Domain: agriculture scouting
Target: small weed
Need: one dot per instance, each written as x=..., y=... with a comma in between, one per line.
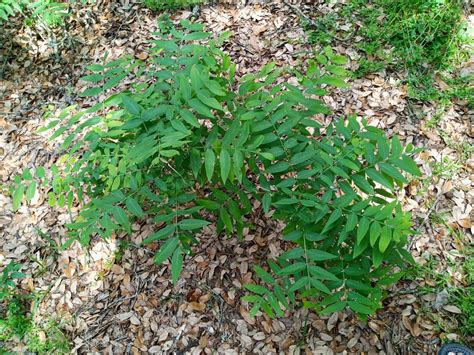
x=461, y=88
x=434, y=121
x=446, y=168
x=367, y=66
x=469, y=268
x=48, y=339
x=323, y=29
x=463, y=149
x=464, y=297
x=16, y=320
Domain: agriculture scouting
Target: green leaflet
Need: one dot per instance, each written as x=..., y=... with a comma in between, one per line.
x=333, y=81
x=166, y=250
x=131, y=106
x=266, y=201
x=362, y=183
x=374, y=233
x=176, y=265
x=256, y=289
x=190, y=224
x=225, y=164
x=385, y=239
x=264, y=275
x=209, y=163
x=189, y=117
x=321, y=273
x=335, y=215
x=18, y=196
x=362, y=230
x=225, y=218
x=209, y=101
x=279, y=167
x=200, y=108
x=134, y=207
x=30, y=191
x=335, y=307
x=300, y=283
x=407, y=165
x=360, y=308
x=292, y=269
x=121, y=217
x=195, y=160
x=319, y=255
x=161, y=234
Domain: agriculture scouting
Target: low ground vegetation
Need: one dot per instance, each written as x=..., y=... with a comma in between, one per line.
x=426, y=40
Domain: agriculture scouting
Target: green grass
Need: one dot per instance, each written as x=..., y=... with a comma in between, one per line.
x=438, y=277
x=17, y=324
x=16, y=318
x=421, y=38
x=159, y=5
x=47, y=339
x=14, y=322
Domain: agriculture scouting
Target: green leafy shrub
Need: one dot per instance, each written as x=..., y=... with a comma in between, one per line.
x=48, y=12
x=13, y=319
x=10, y=8
x=158, y=5
x=187, y=143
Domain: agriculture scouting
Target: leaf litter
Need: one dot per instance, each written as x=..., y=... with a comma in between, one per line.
x=114, y=299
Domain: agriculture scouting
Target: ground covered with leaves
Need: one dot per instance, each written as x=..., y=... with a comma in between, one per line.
x=111, y=296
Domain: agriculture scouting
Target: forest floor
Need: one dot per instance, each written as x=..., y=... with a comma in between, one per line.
x=110, y=298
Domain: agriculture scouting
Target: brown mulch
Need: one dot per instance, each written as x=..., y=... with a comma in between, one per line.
x=111, y=298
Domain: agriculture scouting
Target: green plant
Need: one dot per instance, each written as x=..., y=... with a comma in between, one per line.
x=465, y=296
x=44, y=339
x=464, y=299
x=47, y=339
x=186, y=144
x=17, y=323
x=13, y=320
x=322, y=29
x=420, y=37
x=49, y=12
x=158, y=5
x=444, y=276
x=9, y=274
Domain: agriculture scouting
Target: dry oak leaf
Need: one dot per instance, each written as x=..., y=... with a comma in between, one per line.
x=453, y=309
x=195, y=306
x=246, y=316
x=465, y=223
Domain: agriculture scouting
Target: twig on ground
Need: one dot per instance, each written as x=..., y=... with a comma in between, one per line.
x=433, y=206
x=300, y=13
